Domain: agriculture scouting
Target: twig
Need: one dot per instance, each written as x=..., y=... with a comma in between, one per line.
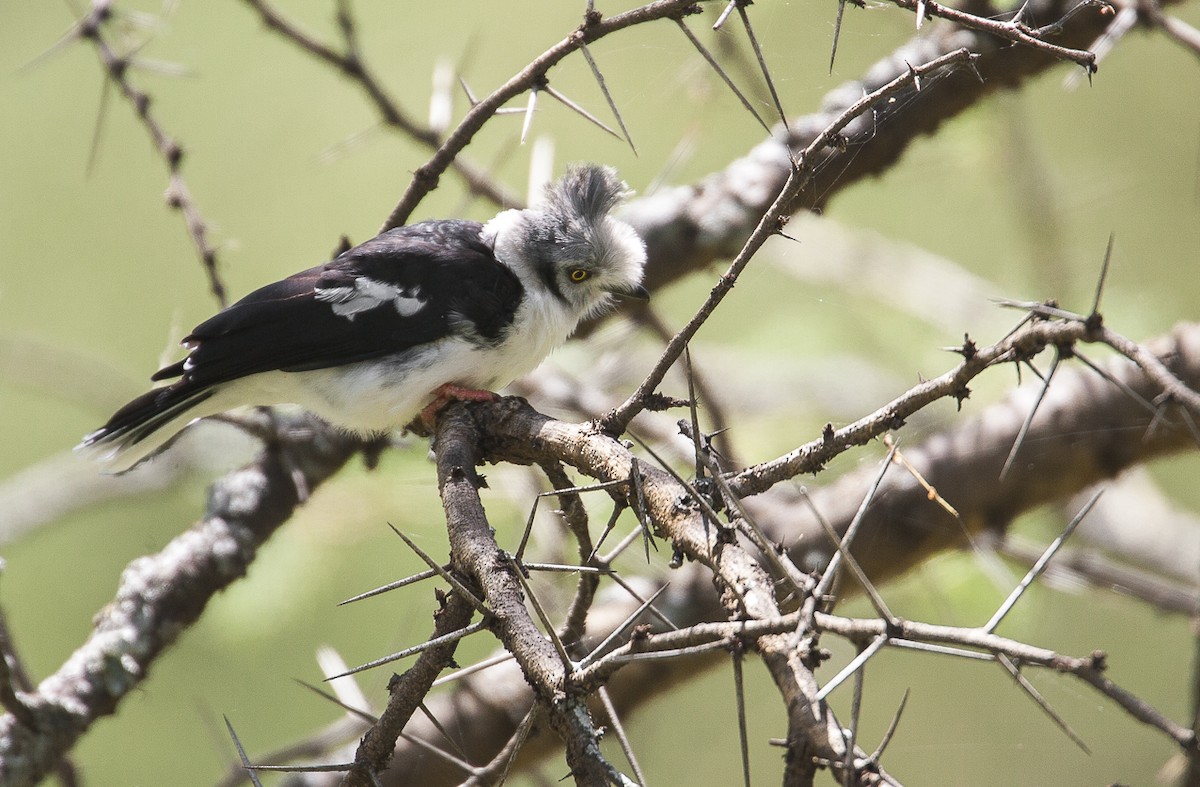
x=425, y=177
x=617, y=420
x=351, y=64
x=178, y=196
x=1015, y=32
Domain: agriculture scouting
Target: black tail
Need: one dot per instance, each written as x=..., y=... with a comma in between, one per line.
x=125, y=439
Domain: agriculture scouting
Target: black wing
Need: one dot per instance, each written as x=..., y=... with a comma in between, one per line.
x=346, y=310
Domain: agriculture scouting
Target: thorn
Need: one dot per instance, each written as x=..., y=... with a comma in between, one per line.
x=635, y=479
x=968, y=349
x=242, y=753
x=837, y=32
x=599, y=651
x=1036, y=570
x=444, y=574
x=619, y=507
x=721, y=73
x=692, y=409
x=461, y=760
x=471, y=670
x=529, y=110
x=855, y=664
x=163, y=67
x=1036, y=696
x=876, y=598
x=566, y=568
x=891, y=730
x=1012, y=455
x=725, y=14
x=519, y=572
x=611, y=711
x=916, y=78
x=1124, y=386
x=1094, y=320
x=467, y=90
x=98, y=128
x=739, y=688
x=391, y=586
x=973, y=64
x=762, y=61
x=830, y=574
x=851, y=734
x=367, y=717
x=76, y=32
x=580, y=110
x=571, y=490
x=612, y=104
x=453, y=636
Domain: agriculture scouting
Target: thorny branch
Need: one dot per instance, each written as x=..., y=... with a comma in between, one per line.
x=161, y=595
x=351, y=63
x=505, y=432
x=687, y=228
x=1012, y=30
x=513, y=432
x=519, y=435
x=116, y=68
x=425, y=177
x=617, y=420
x=476, y=555
x=406, y=692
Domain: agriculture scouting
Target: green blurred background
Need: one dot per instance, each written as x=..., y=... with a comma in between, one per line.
x=98, y=280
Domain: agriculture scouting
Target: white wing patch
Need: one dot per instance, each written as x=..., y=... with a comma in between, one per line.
x=369, y=294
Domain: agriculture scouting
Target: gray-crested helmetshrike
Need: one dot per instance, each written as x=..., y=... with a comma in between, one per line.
x=416, y=316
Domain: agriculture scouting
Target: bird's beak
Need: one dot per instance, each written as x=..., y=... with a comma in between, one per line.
x=636, y=291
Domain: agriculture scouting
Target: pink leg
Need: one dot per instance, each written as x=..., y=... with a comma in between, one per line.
x=448, y=393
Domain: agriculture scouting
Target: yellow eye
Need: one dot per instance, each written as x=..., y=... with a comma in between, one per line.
x=579, y=274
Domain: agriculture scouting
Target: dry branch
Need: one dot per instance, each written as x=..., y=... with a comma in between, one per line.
x=687, y=228
x=161, y=596
x=1086, y=430
x=93, y=28
x=901, y=529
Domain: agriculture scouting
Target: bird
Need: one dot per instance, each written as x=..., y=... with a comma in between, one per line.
x=395, y=327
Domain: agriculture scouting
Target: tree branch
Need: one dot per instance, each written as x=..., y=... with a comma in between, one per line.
x=161, y=595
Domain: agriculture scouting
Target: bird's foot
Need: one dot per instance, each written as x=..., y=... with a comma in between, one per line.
x=448, y=393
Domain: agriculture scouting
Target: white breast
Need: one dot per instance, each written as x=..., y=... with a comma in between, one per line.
x=387, y=393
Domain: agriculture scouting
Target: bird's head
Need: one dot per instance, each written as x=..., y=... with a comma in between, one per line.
x=571, y=246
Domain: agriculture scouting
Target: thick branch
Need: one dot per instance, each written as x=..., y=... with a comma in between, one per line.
x=161, y=595
x=475, y=554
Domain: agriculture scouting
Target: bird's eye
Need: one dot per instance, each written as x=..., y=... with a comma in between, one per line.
x=579, y=274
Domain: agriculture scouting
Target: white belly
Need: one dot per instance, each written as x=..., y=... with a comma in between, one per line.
x=387, y=393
